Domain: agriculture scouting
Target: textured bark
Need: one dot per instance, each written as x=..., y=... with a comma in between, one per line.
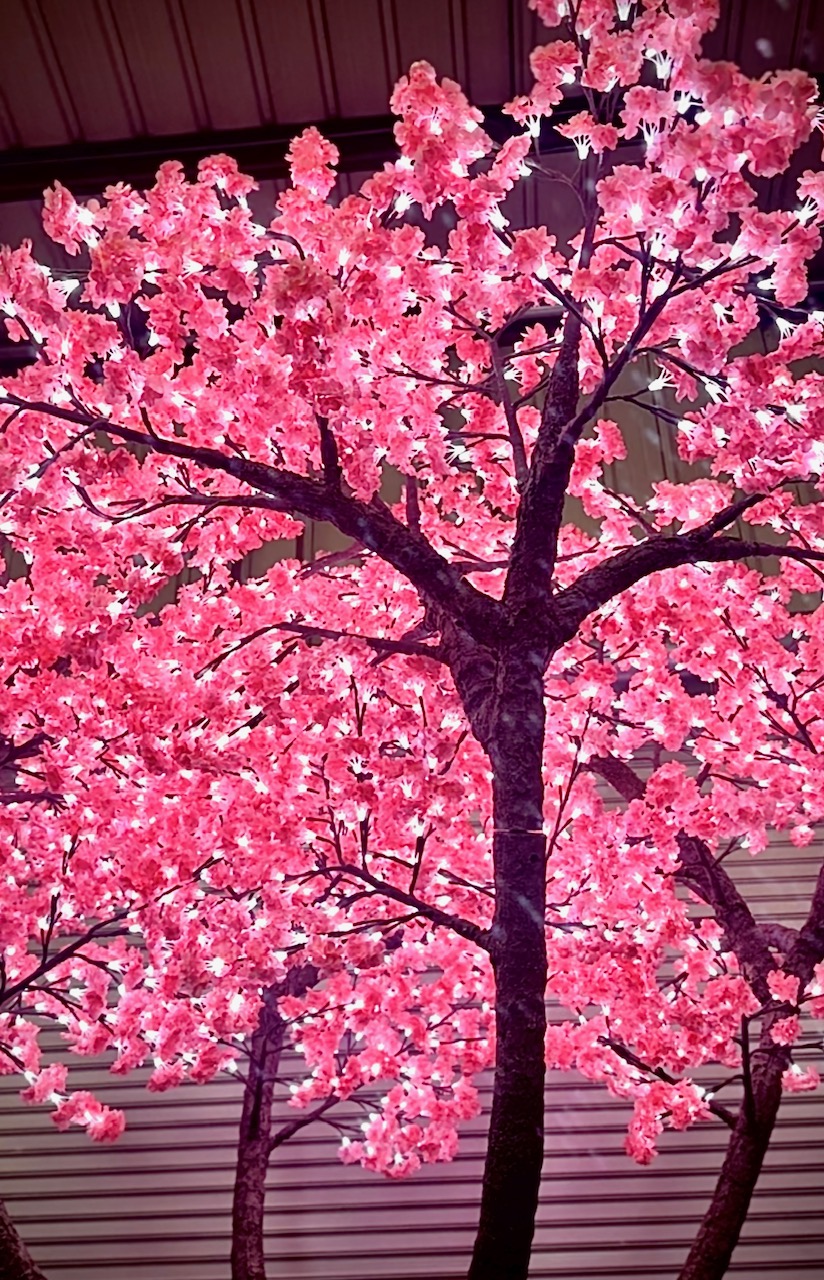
x=712, y=1249
x=16, y=1263
x=255, y=1140
x=512, y=1171
x=505, y=705
x=253, y=1144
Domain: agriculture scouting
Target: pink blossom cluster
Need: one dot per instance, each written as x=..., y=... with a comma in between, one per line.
x=217, y=778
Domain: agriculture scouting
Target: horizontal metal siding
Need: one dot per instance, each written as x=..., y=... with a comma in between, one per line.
x=156, y=1205
x=161, y=1208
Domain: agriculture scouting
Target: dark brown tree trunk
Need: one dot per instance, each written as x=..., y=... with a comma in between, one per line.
x=254, y=1143
x=256, y=1140
x=16, y=1263
x=512, y=1172
x=712, y=1249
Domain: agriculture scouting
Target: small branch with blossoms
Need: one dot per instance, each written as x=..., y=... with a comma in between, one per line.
x=464, y=928
x=626, y=1055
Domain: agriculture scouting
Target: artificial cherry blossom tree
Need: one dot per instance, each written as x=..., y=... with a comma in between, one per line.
x=401, y=743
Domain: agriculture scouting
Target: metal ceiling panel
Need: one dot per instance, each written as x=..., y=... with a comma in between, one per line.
x=81, y=43
x=35, y=102
x=289, y=36
x=215, y=37
x=151, y=46
x=489, y=63
x=429, y=29
x=8, y=133
x=364, y=57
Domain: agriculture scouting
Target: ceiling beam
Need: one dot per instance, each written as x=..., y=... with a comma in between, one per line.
x=365, y=143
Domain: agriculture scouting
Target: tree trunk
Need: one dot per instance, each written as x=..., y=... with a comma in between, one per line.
x=255, y=1140
x=254, y=1143
x=515, y=1152
x=712, y=1249
x=16, y=1263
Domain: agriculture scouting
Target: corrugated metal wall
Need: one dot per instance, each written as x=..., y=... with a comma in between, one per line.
x=155, y=1206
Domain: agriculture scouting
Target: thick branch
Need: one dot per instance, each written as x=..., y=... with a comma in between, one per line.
x=599, y=585
x=370, y=523
x=539, y=514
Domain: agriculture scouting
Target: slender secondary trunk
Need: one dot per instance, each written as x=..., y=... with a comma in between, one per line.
x=512, y=1173
x=255, y=1139
x=16, y=1263
x=712, y=1249
x=254, y=1143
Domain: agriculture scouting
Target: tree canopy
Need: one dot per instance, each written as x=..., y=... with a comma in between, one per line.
x=390, y=764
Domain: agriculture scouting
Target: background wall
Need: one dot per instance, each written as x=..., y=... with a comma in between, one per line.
x=156, y=1205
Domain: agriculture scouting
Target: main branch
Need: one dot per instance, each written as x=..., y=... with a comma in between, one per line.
x=597, y=586
x=370, y=523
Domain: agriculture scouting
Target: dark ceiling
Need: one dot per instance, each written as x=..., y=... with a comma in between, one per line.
x=96, y=91
x=93, y=90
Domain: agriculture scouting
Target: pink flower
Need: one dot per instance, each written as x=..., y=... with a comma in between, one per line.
x=783, y=986
x=107, y=1125
x=649, y=107
x=588, y=135
x=786, y=1030
x=439, y=136
x=550, y=11
x=555, y=64
x=66, y=221
x=104, y=1124
x=166, y=1076
x=48, y=1081
x=311, y=162
x=798, y=1080
x=222, y=172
